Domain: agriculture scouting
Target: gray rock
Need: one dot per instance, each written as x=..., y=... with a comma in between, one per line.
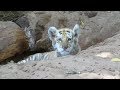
x=22, y=22
x=90, y=14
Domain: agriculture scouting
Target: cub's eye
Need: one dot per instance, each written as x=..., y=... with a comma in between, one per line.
x=59, y=40
x=60, y=32
x=69, y=39
x=68, y=31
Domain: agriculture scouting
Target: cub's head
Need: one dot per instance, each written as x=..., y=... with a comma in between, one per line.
x=65, y=40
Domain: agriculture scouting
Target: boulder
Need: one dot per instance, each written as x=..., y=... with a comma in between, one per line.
x=40, y=21
x=96, y=26
x=96, y=29
x=90, y=14
x=22, y=22
x=12, y=40
x=11, y=15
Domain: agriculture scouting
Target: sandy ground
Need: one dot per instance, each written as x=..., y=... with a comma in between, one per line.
x=92, y=63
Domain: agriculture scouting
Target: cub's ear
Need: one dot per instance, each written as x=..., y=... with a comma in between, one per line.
x=52, y=32
x=76, y=30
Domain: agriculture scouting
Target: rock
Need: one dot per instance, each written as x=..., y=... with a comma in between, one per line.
x=40, y=21
x=10, y=15
x=90, y=14
x=99, y=28
x=96, y=26
x=22, y=22
x=111, y=26
x=12, y=40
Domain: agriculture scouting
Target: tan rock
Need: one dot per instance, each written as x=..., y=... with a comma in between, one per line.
x=12, y=40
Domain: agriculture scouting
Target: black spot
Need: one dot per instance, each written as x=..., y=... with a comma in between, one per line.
x=68, y=31
x=60, y=32
x=69, y=39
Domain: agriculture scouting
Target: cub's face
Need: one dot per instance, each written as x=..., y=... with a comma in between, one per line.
x=64, y=40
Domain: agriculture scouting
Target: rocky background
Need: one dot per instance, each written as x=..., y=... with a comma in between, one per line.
x=23, y=32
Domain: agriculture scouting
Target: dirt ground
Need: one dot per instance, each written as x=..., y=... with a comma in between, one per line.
x=97, y=62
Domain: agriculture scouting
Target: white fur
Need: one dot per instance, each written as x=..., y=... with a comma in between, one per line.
x=54, y=34
x=74, y=34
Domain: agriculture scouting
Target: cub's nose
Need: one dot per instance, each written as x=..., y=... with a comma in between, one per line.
x=65, y=47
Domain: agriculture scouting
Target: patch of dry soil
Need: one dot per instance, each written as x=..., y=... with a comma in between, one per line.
x=92, y=63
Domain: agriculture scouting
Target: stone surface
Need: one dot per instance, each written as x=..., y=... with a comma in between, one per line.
x=96, y=26
x=12, y=40
x=90, y=14
x=11, y=15
x=96, y=29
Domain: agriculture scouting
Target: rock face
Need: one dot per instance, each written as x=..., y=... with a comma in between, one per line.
x=90, y=14
x=10, y=15
x=96, y=29
x=22, y=22
x=12, y=40
x=96, y=26
x=40, y=21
